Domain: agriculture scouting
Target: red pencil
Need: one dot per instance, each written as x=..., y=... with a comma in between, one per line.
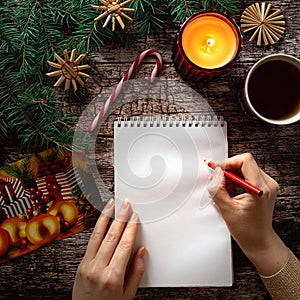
x=237, y=179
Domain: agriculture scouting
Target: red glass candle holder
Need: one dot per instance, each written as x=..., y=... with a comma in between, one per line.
x=206, y=45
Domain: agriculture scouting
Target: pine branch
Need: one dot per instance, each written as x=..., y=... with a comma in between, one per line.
x=182, y=9
x=38, y=122
x=38, y=37
x=10, y=83
x=149, y=16
x=33, y=115
x=80, y=29
x=229, y=6
x=4, y=128
x=31, y=31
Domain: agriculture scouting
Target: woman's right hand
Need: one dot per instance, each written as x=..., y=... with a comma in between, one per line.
x=249, y=217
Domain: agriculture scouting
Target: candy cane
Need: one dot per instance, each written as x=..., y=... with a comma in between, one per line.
x=126, y=77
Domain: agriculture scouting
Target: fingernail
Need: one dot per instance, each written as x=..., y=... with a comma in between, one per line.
x=110, y=203
x=142, y=252
x=125, y=204
x=108, y=207
x=134, y=218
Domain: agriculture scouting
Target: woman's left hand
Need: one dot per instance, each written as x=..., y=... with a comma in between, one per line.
x=102, y=274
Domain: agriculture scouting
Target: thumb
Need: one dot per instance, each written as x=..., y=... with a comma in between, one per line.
x=135, y=274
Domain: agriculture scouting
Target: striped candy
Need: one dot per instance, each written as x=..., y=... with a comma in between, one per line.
x=126, y=77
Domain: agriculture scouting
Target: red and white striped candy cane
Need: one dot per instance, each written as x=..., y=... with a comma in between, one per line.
x=126, y=77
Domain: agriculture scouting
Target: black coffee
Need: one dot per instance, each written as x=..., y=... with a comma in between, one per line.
x=274, y=89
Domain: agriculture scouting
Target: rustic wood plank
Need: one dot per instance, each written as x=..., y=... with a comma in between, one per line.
x=49, y=272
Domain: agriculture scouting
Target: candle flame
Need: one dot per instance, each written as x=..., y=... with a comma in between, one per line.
x=210, y=42
x=209, y=45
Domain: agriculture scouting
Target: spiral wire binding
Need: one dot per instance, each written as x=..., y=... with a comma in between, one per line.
x=169, y=121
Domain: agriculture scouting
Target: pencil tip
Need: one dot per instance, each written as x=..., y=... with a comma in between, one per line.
x=206, y=161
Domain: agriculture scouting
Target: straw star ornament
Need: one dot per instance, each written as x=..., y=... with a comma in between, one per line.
x=113, y=10
x=268, y=27
x=69, y=69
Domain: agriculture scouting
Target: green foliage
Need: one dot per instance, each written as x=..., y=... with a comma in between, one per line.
x=37, y=119
x=229, y=6
x=32, y=31
x=22, y=171
x=150, y=16
x=182, y=9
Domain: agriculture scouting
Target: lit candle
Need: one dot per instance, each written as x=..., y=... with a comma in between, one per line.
x=206, y=45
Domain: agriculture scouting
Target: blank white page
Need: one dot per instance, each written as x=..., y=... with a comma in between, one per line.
x=159, y=167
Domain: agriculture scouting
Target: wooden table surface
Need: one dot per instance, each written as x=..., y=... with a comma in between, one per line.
x=48, y=273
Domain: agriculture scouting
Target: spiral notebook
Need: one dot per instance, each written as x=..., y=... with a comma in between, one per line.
x=159, y=167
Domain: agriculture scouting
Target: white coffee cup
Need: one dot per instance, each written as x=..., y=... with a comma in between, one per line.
x=272, y=89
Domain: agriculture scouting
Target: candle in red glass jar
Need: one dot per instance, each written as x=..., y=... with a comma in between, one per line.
x=207, y=44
